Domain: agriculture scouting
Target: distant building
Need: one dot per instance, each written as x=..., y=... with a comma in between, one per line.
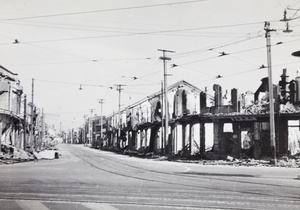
x=11, y=120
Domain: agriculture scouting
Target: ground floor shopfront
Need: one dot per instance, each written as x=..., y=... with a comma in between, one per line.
x=213, y=137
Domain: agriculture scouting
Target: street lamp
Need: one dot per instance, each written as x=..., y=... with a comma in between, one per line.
x=296, y=53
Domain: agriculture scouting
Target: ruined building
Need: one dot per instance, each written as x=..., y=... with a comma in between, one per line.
x=11, y=121
x=204, y=125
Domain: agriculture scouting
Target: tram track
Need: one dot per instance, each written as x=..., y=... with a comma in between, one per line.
x=195, y=175
x=86, y=176
x=191, y=177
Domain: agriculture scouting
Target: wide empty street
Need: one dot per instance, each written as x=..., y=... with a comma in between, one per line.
x=85, y=178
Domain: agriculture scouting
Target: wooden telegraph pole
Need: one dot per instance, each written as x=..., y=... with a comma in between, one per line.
x=272, y=118
x=166, y=112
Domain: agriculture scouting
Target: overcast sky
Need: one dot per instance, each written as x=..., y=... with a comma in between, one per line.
x=97, y=44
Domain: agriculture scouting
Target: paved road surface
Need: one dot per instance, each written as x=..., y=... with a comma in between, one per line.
x=84, y=178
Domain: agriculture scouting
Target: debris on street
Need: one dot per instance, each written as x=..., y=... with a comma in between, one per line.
x=292, y=161
x=10, y=154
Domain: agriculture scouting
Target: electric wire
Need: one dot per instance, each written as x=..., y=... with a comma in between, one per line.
x=185, y=64
x=244, y=72
x=142, y=33
x=92, y=28
x=237, y=52
x=102, y=10
x=184, y=54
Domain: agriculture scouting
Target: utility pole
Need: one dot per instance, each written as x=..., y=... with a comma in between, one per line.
x=38, y=129
x=166, y=128
x=90, y=127
x=111, y=143
x=272, y=118
x=119, y=88
x=43, y=125
x=162, y=114
x=25, y=122
x=0, y=135
x=85, y=132
x=101, y=101
x=31, y=129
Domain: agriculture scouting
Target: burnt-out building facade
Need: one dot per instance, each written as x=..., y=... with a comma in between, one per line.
x=212, y=126
x=11, y=121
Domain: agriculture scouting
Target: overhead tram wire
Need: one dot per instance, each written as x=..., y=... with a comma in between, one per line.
x=242, y=60
x=184, y=54
x=145, y=33
x=50, y=63
x=130, y=33
x=215, y=78
x=229, y=75
x=95, y=60
x=296, y=11
x=86, y=59
x=247, y=71
x=54, y=50
x=92, y=28
x=210, y=49
x=134, y=78
x=70, y=28
x=110, y=87
x=214, y=57
x=90, y=60
x=221, y=45
x=103, y=10
x=81, y=28
x=69, y=83
x=196, y=71
x=92, y=85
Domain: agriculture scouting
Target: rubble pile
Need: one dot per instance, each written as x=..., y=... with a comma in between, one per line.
x=10, y=154
x=291, y=162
